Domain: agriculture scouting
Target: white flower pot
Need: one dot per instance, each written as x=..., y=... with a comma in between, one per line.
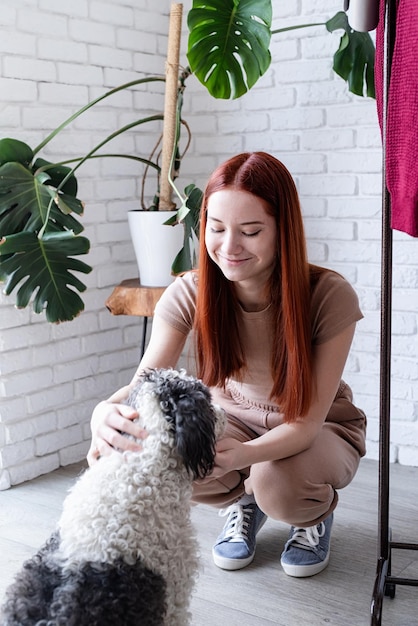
x=156, y=245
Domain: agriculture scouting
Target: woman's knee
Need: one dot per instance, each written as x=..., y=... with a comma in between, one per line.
x=275, y=493
x=289, y=496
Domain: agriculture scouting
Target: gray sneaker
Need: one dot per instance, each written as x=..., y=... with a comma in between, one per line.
x=307, y=550
x=235, y=546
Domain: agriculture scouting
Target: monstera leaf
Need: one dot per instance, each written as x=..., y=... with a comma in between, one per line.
x=38, y=234
x=59, y=176
x=13, y=150
x=354, y=59
x=28, y=201
x=42, y=267
x=228, y=48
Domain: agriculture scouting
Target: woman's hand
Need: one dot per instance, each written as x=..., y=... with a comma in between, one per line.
x=108, y=422
x=230, y=455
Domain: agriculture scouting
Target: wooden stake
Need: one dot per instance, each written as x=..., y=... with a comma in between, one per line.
x=170, y=105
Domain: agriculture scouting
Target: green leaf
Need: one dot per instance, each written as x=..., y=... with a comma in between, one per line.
x=354, y=59
x=68, y=204
x=57, y=173
x=26, y=203
x=182, y=262
x=228, y=47
x=186, y=258
x=41, y=268
x=13, y=150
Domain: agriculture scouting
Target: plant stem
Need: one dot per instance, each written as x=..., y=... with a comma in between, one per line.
x=177, y=138
x=111, y=92
x=118, y=132
x=91, y=154
x=282, y=30
x=114, y=155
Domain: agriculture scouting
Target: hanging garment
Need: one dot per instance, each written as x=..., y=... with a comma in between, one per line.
x=402, y=115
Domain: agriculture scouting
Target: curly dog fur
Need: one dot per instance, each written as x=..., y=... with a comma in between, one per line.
x=125, y=552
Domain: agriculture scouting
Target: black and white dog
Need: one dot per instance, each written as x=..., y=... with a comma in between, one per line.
x=124, y=552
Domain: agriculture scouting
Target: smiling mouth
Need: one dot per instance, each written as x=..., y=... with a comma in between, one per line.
x=232, y=261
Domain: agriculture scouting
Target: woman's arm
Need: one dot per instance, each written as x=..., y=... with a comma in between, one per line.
x=111, y=417
x=289, y=439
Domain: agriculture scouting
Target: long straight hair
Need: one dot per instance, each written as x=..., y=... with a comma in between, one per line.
x=218, y=345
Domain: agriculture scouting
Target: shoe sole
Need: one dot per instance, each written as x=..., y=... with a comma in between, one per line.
x=234, y=564
x=231, y=564
x=304, y=571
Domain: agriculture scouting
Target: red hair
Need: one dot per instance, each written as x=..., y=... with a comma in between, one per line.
x=289, y=289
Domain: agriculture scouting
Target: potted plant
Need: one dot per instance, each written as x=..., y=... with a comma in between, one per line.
x=40, y=227
x=39, y=210
x=40, y=235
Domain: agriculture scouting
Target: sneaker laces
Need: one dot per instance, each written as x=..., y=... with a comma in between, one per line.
x=308, y=538
x=238, y=522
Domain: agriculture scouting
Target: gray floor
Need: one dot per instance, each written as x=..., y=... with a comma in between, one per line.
x=261, y=594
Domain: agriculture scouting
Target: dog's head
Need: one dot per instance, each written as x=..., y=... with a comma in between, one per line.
x=185, y=403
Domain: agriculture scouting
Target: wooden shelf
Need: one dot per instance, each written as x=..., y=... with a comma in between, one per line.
x=131, y=298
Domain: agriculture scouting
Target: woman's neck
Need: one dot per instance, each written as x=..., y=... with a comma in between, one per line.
x=252, y=299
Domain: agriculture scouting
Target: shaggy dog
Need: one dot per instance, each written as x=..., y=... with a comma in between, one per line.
x=125, y=553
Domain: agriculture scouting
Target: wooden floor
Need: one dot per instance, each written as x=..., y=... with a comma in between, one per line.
x=262, y=594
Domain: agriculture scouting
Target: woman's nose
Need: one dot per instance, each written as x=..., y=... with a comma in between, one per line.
x=231, y=244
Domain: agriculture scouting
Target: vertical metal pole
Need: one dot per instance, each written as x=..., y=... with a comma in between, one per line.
x=384, y=547
x=386, y=305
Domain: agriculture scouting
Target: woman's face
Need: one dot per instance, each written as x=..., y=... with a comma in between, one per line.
x=241, y=237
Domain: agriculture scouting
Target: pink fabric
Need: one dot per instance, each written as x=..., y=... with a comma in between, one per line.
x=402, y=115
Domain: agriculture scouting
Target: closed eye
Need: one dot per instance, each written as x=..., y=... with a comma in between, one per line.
x=252, y=234
x=216, y=231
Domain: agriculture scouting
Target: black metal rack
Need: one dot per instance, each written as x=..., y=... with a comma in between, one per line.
x=385, y=582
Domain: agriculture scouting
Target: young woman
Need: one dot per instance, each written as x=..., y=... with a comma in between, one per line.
x=271, y=334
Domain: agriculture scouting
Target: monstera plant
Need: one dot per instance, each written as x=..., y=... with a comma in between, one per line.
x=229, y=43
x=40, y=230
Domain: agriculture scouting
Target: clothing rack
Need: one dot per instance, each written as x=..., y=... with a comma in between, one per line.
x=385, y=582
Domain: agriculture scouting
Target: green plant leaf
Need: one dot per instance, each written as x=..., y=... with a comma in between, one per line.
x=182, y=262
x=57, y=173
x=354, y=59
x=43, y=267
x=15, y=150
x=186, y=258
x=228, y=47
x=27, y=203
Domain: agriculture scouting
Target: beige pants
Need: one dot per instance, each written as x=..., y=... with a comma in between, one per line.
x=301, y=489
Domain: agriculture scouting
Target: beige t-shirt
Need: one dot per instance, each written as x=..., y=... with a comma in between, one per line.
x=334, y=306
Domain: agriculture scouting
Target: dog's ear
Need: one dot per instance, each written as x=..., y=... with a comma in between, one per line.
x=186, y=403
x=195, y=433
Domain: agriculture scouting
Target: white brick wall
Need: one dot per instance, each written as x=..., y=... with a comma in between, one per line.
x=56, y=56
x=53, y=60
